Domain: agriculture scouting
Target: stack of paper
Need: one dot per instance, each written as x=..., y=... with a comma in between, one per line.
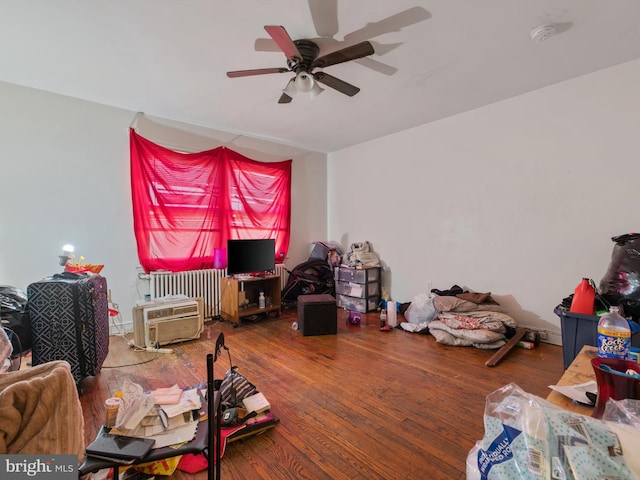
x=164, y=415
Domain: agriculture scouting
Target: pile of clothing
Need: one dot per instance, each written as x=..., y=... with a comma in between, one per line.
x=459, y=318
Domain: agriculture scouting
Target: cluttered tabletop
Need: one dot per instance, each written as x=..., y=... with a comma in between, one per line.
x=579, y=372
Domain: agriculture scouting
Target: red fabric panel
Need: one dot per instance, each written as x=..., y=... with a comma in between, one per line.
x=187, y=204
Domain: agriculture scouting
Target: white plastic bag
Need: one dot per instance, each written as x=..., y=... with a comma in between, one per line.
x=421, y=309
x=625, y=411
x=527, y=437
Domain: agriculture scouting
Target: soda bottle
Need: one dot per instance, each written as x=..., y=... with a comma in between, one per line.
x=614, y=335
x=383, y=318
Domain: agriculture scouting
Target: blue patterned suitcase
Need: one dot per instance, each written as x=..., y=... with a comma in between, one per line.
x=70, y=321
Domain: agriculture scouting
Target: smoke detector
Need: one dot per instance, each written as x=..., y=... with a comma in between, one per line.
x=543, y=32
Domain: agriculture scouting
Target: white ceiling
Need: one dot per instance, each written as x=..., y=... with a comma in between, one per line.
x=433, y=59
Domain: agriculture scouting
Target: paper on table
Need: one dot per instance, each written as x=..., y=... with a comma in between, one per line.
x=134, y=405
x=167, y=396
x=164, y=438
x=190, y=400
x=176, y=436
x=577, y=392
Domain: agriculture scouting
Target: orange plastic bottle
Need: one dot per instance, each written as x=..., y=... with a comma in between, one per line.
x=584, y=298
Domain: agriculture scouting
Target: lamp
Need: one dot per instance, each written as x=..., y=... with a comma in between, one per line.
x=304, y=81
x=67, y=252
x=290, y=89
x=316, y=90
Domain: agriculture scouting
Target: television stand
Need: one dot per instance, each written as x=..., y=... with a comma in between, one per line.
x=239, y=297
x=242, y=277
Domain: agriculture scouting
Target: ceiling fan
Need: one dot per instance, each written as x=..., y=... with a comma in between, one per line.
x=303, y=60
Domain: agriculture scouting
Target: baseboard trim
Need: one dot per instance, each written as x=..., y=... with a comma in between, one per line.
x=548, y=336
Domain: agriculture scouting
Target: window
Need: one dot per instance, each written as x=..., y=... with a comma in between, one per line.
x=185, y=205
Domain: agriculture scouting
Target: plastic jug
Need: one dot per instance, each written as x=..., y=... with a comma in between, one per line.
x=392, y=319
x=614, y=335
x=584, y=298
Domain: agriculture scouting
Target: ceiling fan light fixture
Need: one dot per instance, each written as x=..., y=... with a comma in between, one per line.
x=304, y=81
x=316, y=90
x=290, y=89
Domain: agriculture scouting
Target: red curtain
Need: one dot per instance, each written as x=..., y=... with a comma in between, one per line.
x=186, y=205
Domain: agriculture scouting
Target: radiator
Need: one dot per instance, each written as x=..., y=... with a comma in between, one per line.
x=198, y=283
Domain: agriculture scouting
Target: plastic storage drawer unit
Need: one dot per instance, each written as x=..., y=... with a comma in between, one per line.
x=357, y=275
x=357, y=289
x=362, y=305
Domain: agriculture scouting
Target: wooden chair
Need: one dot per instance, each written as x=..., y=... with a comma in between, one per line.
x=205, y=441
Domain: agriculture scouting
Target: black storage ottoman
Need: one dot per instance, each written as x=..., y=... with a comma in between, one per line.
x=317, y=314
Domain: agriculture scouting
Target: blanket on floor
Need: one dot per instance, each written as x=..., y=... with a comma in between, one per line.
x=40, y=411
x=461, y=322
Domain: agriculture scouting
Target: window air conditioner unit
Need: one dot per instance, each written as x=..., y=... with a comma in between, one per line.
x=167, y=322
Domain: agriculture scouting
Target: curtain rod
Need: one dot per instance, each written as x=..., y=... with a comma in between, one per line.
x=134, y=121
x=134, y=125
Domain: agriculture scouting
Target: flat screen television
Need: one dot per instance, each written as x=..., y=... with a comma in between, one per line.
x=246, y=257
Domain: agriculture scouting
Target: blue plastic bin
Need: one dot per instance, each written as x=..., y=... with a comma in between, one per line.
x=579, y=330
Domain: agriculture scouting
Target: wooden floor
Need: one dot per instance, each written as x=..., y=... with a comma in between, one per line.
x=362, y=404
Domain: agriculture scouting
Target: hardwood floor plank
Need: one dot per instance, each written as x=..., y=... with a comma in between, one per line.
x=362, y=404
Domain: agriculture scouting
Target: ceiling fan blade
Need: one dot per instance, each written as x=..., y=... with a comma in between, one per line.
x=353, y=52
x=324, y=14
x=336, y=83
x=256, y=71
x=283, y=40
x=284, y=98
x=265, y=45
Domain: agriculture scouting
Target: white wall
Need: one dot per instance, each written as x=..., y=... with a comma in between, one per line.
x=64, y=178
x=519, y=198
